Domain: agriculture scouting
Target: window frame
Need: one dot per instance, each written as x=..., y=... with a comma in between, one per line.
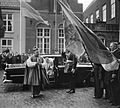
x=43, y=37
x=97, y=13
x=6, y=20
x=60, y=48
x=7, y=46
x=113, y=13
x=91, y=18
x=104, y=11
x=86, y=20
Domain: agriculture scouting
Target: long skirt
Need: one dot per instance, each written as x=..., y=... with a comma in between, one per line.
x=35, y=76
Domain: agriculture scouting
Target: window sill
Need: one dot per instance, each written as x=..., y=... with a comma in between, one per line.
x=9, y=32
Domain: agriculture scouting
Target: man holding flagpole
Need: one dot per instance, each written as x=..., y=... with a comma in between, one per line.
x=84, y=38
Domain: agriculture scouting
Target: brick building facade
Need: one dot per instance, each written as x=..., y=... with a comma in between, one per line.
x=50, y=38
x=103, y=17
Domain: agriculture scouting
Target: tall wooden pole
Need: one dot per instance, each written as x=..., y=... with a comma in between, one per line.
x=55, y=11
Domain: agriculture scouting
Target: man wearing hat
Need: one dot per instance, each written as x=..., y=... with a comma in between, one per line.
x=34, y=73
x=71, y=62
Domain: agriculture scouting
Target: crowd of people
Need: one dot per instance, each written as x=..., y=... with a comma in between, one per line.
x=107, y=84
x=8, y=57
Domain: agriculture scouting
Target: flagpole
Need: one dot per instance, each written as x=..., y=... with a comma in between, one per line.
x=20, y=27
x=55, y=8
x=63, y=28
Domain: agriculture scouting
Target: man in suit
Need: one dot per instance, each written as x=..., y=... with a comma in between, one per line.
x=114, y=79
x=71, y=61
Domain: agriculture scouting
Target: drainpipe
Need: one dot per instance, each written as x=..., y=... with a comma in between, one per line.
x=119, y=19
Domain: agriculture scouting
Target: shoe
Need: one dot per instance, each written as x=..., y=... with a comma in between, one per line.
x=32, y=96
x=72, y=91
x=68, y=91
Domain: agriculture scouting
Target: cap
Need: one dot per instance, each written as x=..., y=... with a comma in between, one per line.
x=35, y=48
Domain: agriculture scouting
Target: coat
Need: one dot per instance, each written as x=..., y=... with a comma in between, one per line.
x=34, y=74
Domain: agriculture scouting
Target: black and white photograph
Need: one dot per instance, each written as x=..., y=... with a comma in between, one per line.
x=59, y=53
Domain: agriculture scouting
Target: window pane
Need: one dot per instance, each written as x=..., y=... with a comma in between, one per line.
x=86, y=20
x=97, y=13
x=39, y=32
x=9, y=26
x=112, y=8
x=46, y=32
x=4, y=42
x=4, y=16
x=104, y=12
x=91, y=18
x=10, y=16
x=9, y=42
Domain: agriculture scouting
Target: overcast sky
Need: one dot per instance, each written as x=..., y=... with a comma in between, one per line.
x=85, y=3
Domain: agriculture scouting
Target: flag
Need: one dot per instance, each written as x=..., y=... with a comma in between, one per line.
x=30, y=12
x=72, y=41
x=2, y=27
x=96, y=50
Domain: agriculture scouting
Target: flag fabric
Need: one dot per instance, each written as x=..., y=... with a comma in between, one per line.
x=96, y=50
x=2, y=27
x=72, y=41
x=30, y=12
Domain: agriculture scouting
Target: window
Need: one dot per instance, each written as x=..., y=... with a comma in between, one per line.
x=112, y=8
x=8, y=22
x=91, y=18
x=104, y=12
x=86, y=20
x=6, y=43
x=61, y=40
x=43, y=40
x=97, y=14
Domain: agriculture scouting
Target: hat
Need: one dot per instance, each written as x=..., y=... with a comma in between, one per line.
x=35, y=48
x=7, y=50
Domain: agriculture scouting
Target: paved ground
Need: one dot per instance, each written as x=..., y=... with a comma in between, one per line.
x=12, y=96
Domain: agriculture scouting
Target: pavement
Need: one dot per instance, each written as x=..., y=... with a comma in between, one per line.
x=13, y=96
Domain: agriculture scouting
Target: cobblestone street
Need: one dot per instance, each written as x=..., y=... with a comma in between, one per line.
x=13, y=96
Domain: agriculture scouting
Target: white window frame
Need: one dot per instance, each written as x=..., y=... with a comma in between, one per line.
x=61, y=36
x=97, y=14
x=43, y=37
x=91, y=18
x=112, y=9
x=7, y=20
x=86, y=20
x=104, y=12
x=7, y=46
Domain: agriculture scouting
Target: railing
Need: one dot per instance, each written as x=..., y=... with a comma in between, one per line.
x=102, y=26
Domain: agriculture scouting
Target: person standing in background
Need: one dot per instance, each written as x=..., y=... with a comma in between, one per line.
x=115, y=76
x=71, y=62
x=98, y=78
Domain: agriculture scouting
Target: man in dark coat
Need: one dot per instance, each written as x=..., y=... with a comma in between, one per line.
x=71, y=61
x=114, y=79
x=98, y=78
